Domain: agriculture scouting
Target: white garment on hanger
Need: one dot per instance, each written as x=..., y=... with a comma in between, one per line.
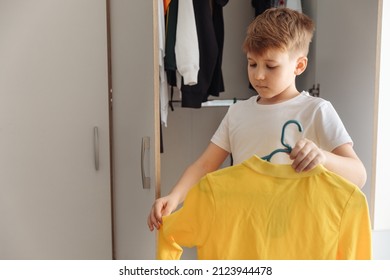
x=187, y=47
x=162, y=74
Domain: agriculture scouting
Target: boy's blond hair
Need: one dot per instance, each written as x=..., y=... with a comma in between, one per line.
x=279, y=28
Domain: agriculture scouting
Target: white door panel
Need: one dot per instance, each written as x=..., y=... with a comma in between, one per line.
x=53, y=92
x=133, y=118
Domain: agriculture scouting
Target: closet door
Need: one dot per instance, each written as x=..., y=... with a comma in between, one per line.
x=133, y=77
x=54, y=130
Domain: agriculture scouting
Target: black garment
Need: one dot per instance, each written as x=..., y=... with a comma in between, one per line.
x=210, y=30
x=170, y=41
x=260, y=6
x=217, y=84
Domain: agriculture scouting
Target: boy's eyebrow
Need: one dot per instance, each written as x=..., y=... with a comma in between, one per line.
x=266, y=60
x=270, y=60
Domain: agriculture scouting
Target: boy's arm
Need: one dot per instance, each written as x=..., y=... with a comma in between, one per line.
x=209, y=161
x=342, y=160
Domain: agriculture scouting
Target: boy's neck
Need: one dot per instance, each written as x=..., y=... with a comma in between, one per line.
x=278, y=99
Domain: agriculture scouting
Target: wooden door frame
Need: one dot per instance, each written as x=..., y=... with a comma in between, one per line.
x=157, y=120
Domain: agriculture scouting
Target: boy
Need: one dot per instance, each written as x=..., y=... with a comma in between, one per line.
x=276, y=45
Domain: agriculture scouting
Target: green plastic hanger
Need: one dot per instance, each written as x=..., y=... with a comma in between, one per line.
x=287, y=148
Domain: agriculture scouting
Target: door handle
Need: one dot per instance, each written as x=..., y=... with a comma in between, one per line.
x=145, y=152
x=96, y=146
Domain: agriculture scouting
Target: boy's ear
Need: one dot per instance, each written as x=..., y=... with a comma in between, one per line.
x=301, y=65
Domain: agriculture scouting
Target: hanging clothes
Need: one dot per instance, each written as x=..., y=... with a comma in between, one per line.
x=261, y=210
x=210, y=30
x=163, y=83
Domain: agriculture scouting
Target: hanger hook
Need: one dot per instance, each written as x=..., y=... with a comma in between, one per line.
x=284, y=128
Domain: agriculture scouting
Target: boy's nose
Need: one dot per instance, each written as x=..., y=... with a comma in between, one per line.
x=259, y=74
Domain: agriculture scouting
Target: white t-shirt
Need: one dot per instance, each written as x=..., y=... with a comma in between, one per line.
x=250, y=128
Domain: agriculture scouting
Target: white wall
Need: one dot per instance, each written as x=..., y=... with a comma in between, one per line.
x=381, y=190
x=381, y=244
x=381, y=207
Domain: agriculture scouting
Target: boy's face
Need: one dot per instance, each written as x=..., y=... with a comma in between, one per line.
x=273, y=75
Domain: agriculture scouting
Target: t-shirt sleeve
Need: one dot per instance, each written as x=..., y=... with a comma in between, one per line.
x=330, y=129
x=189, y=226
x=221, y=136
x=355, y=230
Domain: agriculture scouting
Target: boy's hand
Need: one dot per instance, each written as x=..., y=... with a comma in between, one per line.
x=306, y=155
x=161, y=207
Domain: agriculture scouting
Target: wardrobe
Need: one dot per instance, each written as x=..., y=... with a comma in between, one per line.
x=76, y=114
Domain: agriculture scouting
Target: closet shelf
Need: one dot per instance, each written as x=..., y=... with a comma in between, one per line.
x=219, y=103
x=210, y=103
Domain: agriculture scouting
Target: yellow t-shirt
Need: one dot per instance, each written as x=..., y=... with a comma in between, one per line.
x=260, y=210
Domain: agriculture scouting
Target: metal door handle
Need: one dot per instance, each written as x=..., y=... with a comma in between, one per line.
x=96, y=146
x=145, y=148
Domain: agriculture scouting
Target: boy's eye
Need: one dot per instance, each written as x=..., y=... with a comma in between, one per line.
x=252, y=64
x=271, y=66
